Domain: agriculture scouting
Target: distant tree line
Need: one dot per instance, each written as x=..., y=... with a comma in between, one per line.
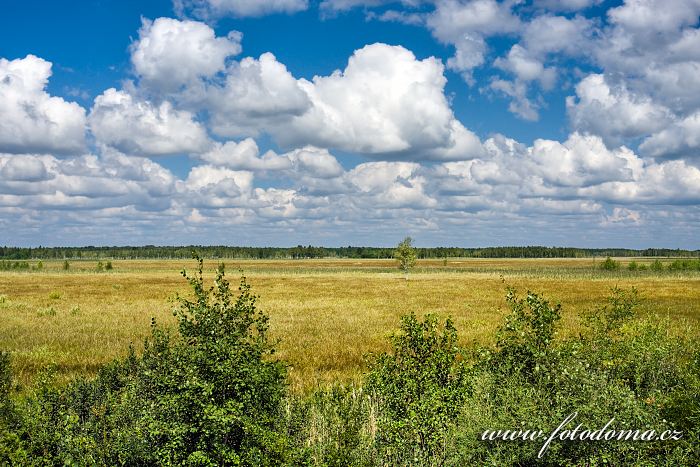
x=302, y=252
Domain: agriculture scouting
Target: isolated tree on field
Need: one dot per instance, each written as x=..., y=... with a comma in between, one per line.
x=405, y=254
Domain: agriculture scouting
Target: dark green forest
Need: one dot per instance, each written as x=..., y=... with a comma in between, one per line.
x=302, y=252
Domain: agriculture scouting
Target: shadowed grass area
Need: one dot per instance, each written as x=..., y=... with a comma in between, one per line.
x=327, y=313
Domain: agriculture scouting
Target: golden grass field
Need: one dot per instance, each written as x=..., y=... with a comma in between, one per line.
x=327, y=314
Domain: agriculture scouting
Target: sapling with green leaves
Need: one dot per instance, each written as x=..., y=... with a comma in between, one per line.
x=405, y=254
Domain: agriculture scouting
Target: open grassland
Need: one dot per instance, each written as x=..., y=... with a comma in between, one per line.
x=327, y=313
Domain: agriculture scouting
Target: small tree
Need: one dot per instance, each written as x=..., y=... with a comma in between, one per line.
x=405, y=254
x=609, y=264
x=420, y=389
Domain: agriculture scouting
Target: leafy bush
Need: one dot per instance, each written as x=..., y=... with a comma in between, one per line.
x=619, y=367
x=656, y=266
x=632, y=266
x=610, y=264
x=420, y=389
x=211, y=395
x=524, y=339
x=684, y=265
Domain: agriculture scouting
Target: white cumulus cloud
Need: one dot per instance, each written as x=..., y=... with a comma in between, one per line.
x=386, y=101
x=143, y=128
x=31, y=120
x=170, y=54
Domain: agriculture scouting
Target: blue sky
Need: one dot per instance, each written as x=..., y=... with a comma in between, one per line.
x=335, y=122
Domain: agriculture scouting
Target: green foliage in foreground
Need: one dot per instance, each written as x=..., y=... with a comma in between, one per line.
x=214, y=394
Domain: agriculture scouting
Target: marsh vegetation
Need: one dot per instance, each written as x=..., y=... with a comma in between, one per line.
x=345, y=363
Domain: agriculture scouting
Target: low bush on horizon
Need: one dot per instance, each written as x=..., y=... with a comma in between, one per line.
x=214, y=393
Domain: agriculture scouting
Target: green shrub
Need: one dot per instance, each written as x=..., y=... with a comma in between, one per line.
x=420, y=389
x=11, y=449
x=656, y=266
x=66, y=265
x=632, y=266
x=108, y=266
x=684, y=265
x=524, y=339
x=210, y=395
x=610, y=264
x=619, y=367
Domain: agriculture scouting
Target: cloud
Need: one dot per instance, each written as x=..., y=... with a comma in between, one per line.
x=629, y=163
x=24, y=169
x=673, y=182
x=509, y=184
x=390, y=185
x=566, y=5
x=244, y=155
x=308, y=161
x=315, y=162
x=649, y=16
x=542, y=37
x=221, y=180
x=549, y=34
x=469, y=54
x=331, y=7
x=170, y=54
x=385, y=102
x=214, y=9
x=84, y=183
x=520, y=104
x=453, y=18
x=680, y=139
x=581, y=161
x=613, y=112
x=526, y=67
x=623, y=216
x=31, y=120
x=396, y=16
x=651, y=47
x=256, y=95
x=465, y=25
x=117, y=119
